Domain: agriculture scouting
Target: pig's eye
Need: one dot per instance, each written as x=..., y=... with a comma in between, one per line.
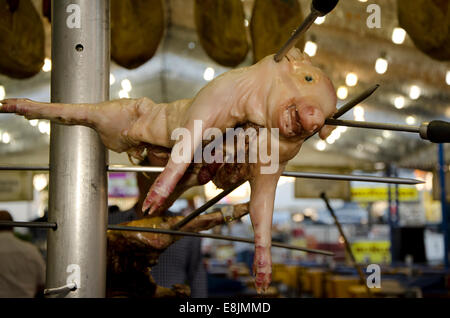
x=309, y=78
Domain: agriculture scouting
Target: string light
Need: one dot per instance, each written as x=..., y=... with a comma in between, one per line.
x=320, y=20
x=358, y=113
x=123, y=94
x=47, y=65
x=310, y=48
x=126, y=85
x=44, y=127
x=398, y=35
x=342, y=92
x=6, y=138
x=410, y=120
x=209, y=73
x=321, y=145
x=415, y=92
x=381, y=65
x=351, y=79
x=399, y=102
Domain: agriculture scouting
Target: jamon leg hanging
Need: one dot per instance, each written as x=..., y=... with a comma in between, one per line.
x=221, y=30
x=271, y=25
x=22, y=40
x=137, y=27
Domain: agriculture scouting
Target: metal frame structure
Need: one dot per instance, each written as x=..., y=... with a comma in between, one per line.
x=78, y=178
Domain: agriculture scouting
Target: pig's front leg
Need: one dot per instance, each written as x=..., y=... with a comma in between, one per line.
x=79, y=114
x=166, y=182
x=110, y=119
x=263, y=187
x=201, y=116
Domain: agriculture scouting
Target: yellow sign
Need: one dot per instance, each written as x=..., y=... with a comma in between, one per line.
x=381, y=194
x=376, y=252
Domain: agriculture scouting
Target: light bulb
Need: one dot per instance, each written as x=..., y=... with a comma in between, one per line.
x=399, y=102
x=381, y=65
x=415, y=92
x=208, y=74
x=47, y=65
x=398, y=35
x=310, y=48
x=351, y=79
x=321, y=145
x=342, y=92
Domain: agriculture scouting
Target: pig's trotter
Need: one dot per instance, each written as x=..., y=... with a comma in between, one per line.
x=262, y=268
x=15, y=105
x=163, y=186
x=156, y=196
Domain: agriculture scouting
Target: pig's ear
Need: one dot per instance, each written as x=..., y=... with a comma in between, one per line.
x=326, y=131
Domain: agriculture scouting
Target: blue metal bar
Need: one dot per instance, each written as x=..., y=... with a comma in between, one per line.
x=390, y=220
x=397, y=201
x=443, y=203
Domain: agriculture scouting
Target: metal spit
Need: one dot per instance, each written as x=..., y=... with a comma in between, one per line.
x=78, y=177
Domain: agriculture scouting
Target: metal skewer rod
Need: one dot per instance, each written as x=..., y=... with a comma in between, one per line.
x=319, y=8
x=362, y=277
x=24, y=168
x=351, y=103
x=332, y=176
x=206, y=206
x=372, y=125
x=215, y=236
x=296, y=35
x=53, y=225
x=42, y=225
x=296, y=174
x=120, y=168
x=355, y=101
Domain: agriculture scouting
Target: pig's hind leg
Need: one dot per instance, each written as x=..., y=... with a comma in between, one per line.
x=263, y=188
x=69, y=114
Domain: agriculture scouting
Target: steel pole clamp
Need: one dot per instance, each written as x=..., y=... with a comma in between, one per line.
x=227, y=213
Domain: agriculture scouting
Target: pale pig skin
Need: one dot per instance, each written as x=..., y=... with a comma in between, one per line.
x=292, y=95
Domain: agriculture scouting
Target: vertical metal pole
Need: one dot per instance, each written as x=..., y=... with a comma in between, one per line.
x=78, y=180
x=443, y=203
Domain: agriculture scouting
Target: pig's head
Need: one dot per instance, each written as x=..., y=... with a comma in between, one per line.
x=301, y=96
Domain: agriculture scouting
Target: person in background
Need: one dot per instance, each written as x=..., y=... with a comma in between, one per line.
x=22, y=268
x=181, y=262
x=244, y=251
x=115, y=216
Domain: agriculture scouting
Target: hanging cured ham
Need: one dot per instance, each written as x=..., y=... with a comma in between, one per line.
x=22, y=40
x=271, y=25
x=137, y=28
x=221, y=30
x=428, y=24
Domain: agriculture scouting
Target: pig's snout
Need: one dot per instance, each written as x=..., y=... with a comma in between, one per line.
x=311, y=118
